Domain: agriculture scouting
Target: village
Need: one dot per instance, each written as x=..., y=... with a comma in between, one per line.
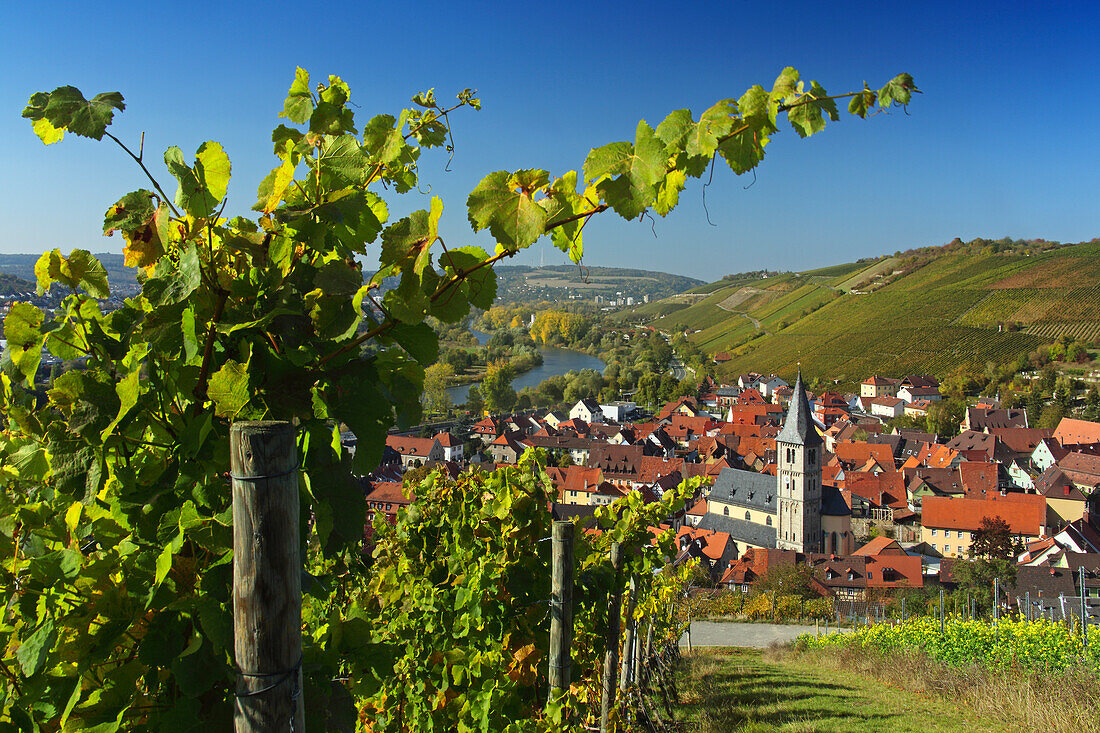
x=793, y=478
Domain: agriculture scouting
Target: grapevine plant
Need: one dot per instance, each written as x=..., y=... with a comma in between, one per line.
x=115, y=536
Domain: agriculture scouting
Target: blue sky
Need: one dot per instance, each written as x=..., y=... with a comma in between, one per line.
x=1003, y=141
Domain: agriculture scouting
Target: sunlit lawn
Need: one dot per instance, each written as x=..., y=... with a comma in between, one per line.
x=740, y=690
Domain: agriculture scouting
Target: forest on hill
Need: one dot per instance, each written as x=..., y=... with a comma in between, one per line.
x=926, y=310
x=525, y=284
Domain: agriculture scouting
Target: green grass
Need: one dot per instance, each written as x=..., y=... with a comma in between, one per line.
x=743, y=690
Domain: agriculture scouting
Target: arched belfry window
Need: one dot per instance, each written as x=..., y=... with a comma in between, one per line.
x=769, y=520
x=726, y=510
x=748, y=516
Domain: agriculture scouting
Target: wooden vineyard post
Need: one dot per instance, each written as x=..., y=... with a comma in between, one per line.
x=611, y=655
x=1084, y=612
x=267, y=567
x=561, y=608
x=941, y=611
x=627, y=673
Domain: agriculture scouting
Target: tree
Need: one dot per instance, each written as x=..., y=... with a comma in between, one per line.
x=788, y=580
x=976, y=577
x=496, y=387
x=993, y=540
x=116, y=552
x=437, y=378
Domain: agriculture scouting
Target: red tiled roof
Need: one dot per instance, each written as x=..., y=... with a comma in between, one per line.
x=1072, y=432
x=1025, y=515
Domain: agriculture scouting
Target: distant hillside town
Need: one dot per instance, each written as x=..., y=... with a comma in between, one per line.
x=793, y=478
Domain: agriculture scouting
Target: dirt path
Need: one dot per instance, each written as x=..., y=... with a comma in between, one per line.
x=756, y=636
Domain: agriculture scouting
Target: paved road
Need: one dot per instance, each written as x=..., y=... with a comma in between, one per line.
x=757, y=636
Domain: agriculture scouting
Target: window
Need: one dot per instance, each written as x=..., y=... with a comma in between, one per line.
x=748, y=516
x=769, y=521
x=933, y=534
x=960, y=535
x=934, y=546
x=726, y=510
x=813, y=455
x=870, y=575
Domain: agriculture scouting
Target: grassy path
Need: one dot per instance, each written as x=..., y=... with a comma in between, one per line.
x=733, y=689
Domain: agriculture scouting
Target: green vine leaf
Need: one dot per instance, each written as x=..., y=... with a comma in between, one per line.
x=65, y=108
x=299, y=101
x=504, y=204
x=22, y=330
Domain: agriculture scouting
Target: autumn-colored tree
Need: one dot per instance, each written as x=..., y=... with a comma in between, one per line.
x=993, y=539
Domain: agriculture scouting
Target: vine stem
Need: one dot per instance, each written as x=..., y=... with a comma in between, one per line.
x=586, y=215
x=208, y=352
x=138, y=160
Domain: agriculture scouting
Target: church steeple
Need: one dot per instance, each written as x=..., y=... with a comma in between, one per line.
x=799, y=452
x=798, y=428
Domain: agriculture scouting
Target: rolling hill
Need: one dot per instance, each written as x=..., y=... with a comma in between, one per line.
x=521, y=283
x=926, y=311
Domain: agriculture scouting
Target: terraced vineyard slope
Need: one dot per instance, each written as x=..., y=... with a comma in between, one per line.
x=894, y=315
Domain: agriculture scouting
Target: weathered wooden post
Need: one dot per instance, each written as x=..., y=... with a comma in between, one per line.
x=267, y=567
x=996, y=601
x=627, y=673
x=561, y=608
x=941, y=611
x=1084, y=612
x=611, y=639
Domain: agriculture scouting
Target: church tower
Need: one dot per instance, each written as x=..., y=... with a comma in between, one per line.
x=799, y=447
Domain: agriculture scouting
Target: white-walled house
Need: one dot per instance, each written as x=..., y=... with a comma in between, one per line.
x=588, y=410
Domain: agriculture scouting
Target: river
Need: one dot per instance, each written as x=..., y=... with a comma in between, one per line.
x=554, y=361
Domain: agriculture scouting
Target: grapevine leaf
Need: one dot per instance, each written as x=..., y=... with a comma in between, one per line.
x=338, y=278
x=562, y=204
x=22, y=330
x=82, y=269
x=47, y=269
x=419, y=340
x=503, y=203
x=478, y=286
x=668, y=192
x=407, y=242
x=345, y=162
x=355, y=399
x=713, y=124
x=32, y=652
x=65, y=108
x=786, y=84
x=636, y=188
x=128, y=389
x=383, y=141
x=402, y=382
x=197, y=186
x=32, y=462
x=898, y=90
x=213, y=169
x=675, y=130
x=862, y=102
x=743, y=151
x=283, y=175
x=228, y=389
x=46, y=132
x=299, y=102
x=807, y=118
x=130, y=212
x=757, y=110
x=607, y=160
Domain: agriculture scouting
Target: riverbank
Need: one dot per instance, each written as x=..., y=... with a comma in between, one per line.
x=555, y=361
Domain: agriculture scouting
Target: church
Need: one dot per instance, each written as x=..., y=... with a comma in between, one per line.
x=788, y=511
